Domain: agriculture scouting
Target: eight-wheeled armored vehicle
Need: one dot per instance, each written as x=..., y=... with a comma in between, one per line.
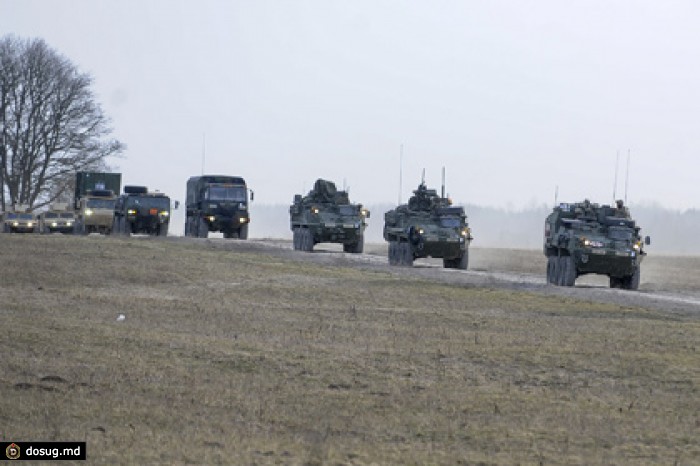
x=582, y=238
x=325, y=215
x=428, y=226
x=139, y=211
x=217, y=203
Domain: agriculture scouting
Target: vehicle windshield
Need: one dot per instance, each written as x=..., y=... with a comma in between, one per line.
x=226, y=193
x=620, y=234
x=26, y=216
x=50, y=215
x=160, y=203
x=11, y=216
x=67, y=215
x=347, y=210
x=101, y=203
x=450, y=222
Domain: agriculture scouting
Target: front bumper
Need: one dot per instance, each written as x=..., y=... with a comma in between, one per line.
x=447, y=248
x=612, y=262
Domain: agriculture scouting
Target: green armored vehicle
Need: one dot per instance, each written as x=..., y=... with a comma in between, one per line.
x=217, y=203
x=428, y=226
x=583, y=238
x=325, y=215
x=139, y=212
x=19, y=220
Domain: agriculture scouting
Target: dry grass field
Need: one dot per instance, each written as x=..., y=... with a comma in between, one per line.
x=236, y=354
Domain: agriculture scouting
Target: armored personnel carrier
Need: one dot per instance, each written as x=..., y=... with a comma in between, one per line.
x=583, y=238
x=58, y=219
x=139, y=211
x=325, y=215
x=428, y=226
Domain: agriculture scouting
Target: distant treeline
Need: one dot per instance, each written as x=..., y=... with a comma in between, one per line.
x=671, y=231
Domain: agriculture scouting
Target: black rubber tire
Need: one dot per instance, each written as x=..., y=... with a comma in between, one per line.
x=550, y=269
x=163, y=229
x=463, y=262
x=631, y=282
x=295, y=239
x=569, y=271
x=202, y=228
x=561, y=270
x=406, y=254
x=243, y=232
x=392, y=253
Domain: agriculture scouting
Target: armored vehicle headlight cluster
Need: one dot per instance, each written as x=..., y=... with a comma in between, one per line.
x=591, y=243
x=314, y=210
x=131, y=211
x=212, y=218
x=88, y=212
x=465, y=231
x=30, y=224
x=54, y=224
x=363, y=212
x=420, y=230
x=637, y=246
x=15, y=224
x=242, y=220
x=165, y=213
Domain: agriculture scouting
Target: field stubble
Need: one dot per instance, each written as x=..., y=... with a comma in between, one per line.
x=235, y=355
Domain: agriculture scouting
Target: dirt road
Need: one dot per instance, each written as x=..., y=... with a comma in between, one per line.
x=669, y=283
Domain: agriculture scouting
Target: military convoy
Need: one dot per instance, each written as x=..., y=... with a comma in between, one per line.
x=583, y=238
x=139, y=211
x=428, y=226
x=217, y=203
x=325, y=215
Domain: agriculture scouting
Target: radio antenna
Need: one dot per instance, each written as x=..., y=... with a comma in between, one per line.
x=443, y=183
x=556, y=195
x=400, y=172
x=617, y=163
x=204, y=150
x=627, y=174
x=422, y=178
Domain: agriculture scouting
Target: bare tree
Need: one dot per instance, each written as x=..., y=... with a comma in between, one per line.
x=50, y=124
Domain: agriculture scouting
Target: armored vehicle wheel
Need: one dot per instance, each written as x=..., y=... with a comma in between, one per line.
x=187, y=226
x=405, y=254
x=309, y=241
x=551, y=277
x=355, y=248
x=295, y=239
x=631, y=282
x=615, y=282
x=463, y=262
x=202, y=228
x=568, y=271
x=392, y=253
x=243, y=232
x=163, y=229
x=5, y=228
x=561, y=270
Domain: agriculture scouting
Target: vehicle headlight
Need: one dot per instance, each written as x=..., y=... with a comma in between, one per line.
x=131, y=211
x=165, y=213
x=29, y=224
x=636, y=246
x=15, y=224
x=69, y=224
x=314, y=210
x=420, y=230
x=363, y=212
x=464, y=232
x=88, y=212
x=212, y=218
x=243, y=220
x=54, y=224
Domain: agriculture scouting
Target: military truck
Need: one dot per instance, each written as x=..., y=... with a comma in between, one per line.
x=58, y=219
x=325, y=215
x=217, y=203
x=428, y=226
x=94, y=199
x=138, y=211
x=582, y=238
x=19, y=220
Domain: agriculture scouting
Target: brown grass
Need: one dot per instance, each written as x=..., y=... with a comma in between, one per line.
x=233, y=356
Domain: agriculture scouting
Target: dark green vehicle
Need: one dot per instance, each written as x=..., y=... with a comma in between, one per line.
x=428, y=226
x=325, y=215
x=583, y=238
x=139, y=212
x=217, y=203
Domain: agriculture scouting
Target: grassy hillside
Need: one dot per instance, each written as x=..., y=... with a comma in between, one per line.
x=231, y=354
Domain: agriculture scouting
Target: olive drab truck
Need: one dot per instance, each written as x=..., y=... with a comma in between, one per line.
x=19, y=220
x=217, y=203
x=583, y=237
x=60, y=218
x=95, y=196
x=428, y=226
x=325, y=215
x=138, y=211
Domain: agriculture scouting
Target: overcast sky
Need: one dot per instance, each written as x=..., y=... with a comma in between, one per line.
x=512, y=97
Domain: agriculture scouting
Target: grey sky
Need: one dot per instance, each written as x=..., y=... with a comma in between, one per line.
x=512, y=97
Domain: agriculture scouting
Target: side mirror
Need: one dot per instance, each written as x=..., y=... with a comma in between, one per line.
x=176, y=205
x=252, y=195
x=647, y=240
